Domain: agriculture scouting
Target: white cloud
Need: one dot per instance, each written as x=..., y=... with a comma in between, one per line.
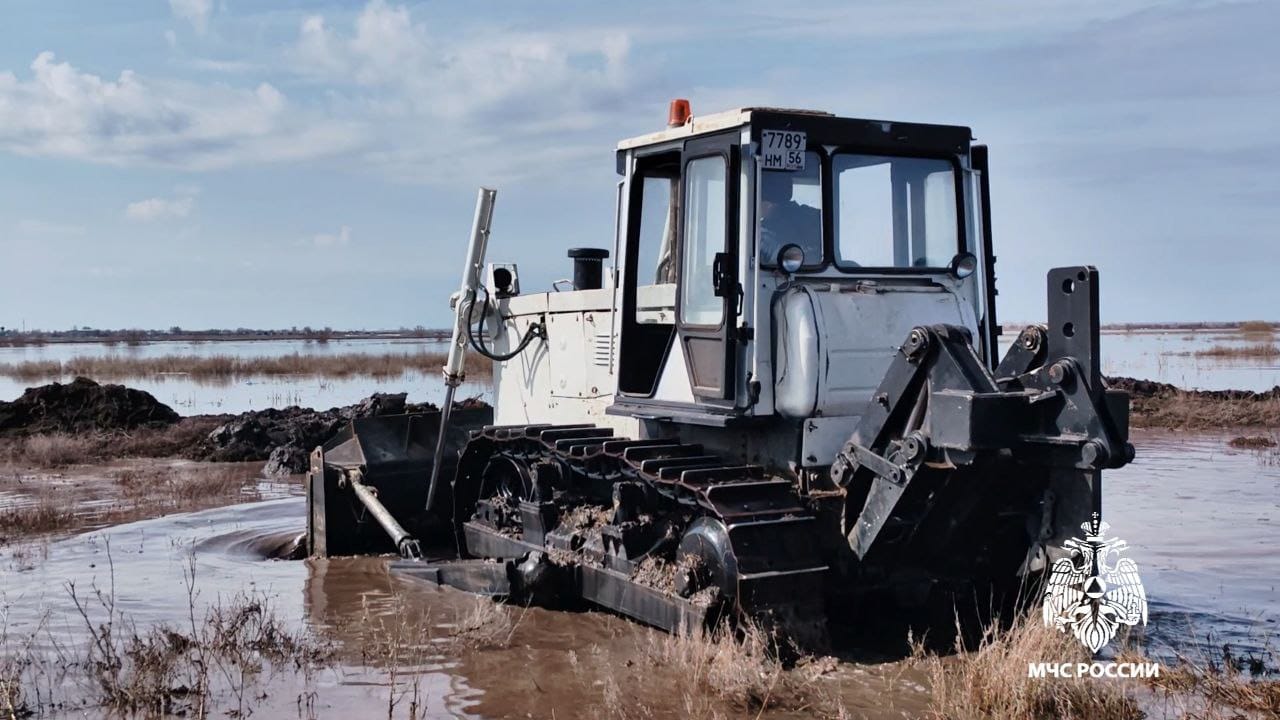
x=196, y=12
x=447, y=96
x=159, y=208
x=454, y=73
x=342, y=237
x=63, y=112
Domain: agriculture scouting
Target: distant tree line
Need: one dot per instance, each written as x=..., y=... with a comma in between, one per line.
x=136, y=336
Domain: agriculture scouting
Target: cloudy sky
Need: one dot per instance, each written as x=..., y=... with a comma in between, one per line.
x=214, y=163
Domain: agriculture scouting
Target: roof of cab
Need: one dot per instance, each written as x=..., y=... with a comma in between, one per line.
x=701, y=124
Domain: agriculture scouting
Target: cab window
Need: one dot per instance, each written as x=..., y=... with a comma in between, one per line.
x=656, y=254
x=704, y=235
x=894, y=212
x=791, y=211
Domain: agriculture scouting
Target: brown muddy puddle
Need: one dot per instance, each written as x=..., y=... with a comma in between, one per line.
x=1202, y=521
x=540, y=664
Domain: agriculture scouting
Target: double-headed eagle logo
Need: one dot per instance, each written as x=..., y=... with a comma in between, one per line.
x=1094, y=591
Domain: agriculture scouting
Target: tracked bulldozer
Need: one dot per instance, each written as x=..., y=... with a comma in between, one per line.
x=784, y=400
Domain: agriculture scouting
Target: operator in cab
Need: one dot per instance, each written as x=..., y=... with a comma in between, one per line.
x=791, y=213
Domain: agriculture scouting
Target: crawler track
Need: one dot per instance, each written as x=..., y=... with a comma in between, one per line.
x=745, y=540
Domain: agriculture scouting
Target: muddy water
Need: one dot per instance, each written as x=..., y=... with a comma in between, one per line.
x=1203, y=524
x=1202, y=521
x=549, y=664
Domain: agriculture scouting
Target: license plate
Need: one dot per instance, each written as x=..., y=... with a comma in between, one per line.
x=782, y=149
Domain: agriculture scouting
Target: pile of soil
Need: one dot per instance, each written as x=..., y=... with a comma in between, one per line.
x=83, y=406
x=1144, y=389
x=285, y=437
x=1161, y=405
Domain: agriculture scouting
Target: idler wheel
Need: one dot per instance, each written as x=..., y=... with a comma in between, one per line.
x=705, y=556
x=535, y=581
x=506, y=476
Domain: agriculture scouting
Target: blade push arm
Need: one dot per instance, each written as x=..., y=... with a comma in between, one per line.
x=940, y=406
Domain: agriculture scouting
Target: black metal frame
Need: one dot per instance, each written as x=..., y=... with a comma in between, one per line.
x=1046, y=405
x=630, y=254
x=990, y=327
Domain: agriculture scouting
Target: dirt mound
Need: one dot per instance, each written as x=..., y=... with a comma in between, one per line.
x=285, y=437
x=1152, y=389
x=82, y=406
x=1161, y=405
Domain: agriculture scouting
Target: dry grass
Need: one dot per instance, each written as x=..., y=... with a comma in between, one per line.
x=44, y=517
x=1257, y=350
x=1191, y=410
x=181, y=488
x=218, y=663
x=226, y=367
x=172, y=670
x=132, y=494
x=1252, y=442
x=58, y=450
x=1198, y=687
x=49, y=451
x=992, y=681
x=484, y=625
x=1213, y=693
x=174, y=440
x=1258, y=328
x=738, y=673
x=405, y=643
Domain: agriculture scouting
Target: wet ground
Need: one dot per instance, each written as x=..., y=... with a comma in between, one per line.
x=1202, y=520
x=540, y=664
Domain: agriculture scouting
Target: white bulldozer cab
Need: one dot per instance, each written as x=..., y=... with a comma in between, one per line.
x=697, y=323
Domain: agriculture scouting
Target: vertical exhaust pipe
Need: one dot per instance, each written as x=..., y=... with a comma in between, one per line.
x=454, y=372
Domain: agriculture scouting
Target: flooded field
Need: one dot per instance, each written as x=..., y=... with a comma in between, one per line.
x=162, y=548
x=190, y=396
x=1165, y=356
x=1202, y=520
x=392, y=640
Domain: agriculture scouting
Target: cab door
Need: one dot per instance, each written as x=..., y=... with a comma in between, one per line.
x=708, y=289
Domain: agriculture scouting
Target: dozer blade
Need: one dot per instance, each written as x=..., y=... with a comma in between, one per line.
x=951, y=460
x=368, y=484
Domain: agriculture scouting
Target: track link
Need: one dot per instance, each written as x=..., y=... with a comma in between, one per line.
x=754, y=538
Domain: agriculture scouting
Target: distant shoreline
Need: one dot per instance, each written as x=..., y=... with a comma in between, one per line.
x=139, y=337
x=14, y=338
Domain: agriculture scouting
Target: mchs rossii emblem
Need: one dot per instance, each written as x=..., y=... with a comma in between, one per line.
x=1095, y=591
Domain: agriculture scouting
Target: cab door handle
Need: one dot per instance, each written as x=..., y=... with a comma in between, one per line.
x=724, y=279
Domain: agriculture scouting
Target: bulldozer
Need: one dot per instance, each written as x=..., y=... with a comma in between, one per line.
x=783, y=400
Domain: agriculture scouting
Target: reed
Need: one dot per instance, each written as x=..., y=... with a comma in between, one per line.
x=991, y=680
x=224, y=367
x=1257, y=327
x=1256, y=350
